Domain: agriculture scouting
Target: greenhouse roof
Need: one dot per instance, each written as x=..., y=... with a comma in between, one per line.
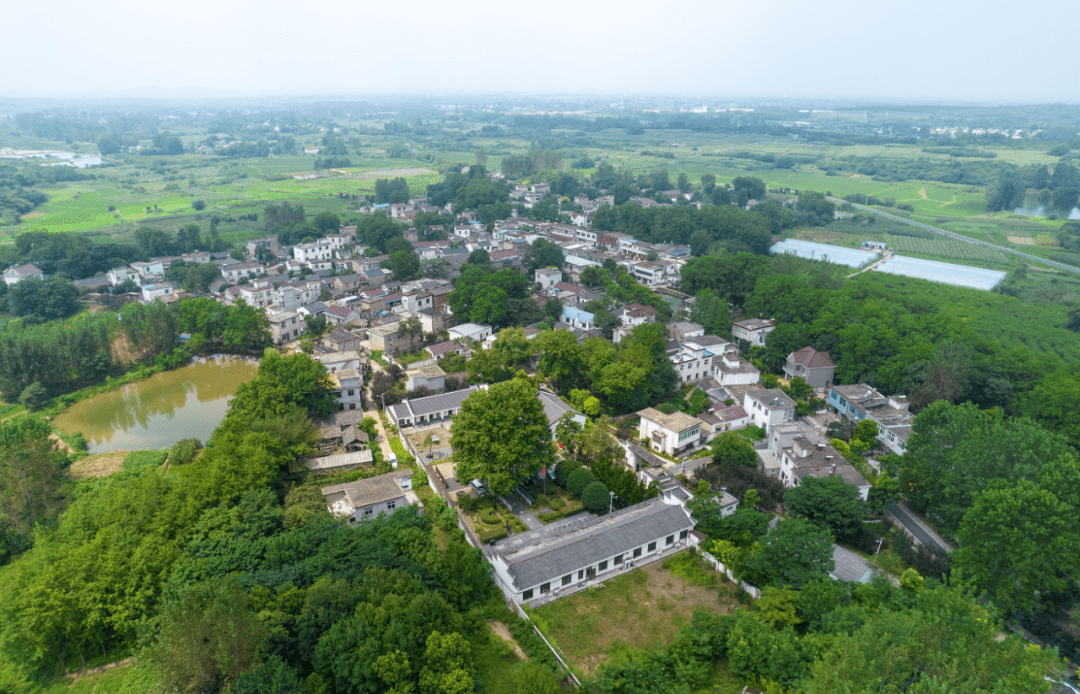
x=821, y=251
x=946, y=273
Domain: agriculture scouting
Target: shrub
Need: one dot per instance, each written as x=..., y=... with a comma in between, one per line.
x=198, y=205
x=494, y=535
x=579, y=479
x=564, y=470
x=467, y=502
x=595, y=497
x=184, y=451
x=490, y=516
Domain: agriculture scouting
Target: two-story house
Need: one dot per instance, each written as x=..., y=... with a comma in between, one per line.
x=671, y=433
x=814, y=367
x=753, y=330
x=859, y=401
x=768, y=408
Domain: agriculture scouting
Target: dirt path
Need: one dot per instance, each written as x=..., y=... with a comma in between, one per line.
x=503, y=633
x=922, y=193
x=76, y=676
x=384, y=441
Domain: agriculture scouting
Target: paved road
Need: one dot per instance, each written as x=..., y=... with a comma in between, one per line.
x=961, y=237
x=923, y=534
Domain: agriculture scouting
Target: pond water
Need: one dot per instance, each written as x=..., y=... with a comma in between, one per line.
x=79, y=161
x=1039, y=211
x=157, y=412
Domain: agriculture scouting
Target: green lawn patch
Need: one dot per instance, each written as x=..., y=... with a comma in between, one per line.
x=644, y=608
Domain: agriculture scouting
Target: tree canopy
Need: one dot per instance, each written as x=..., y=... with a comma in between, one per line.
x=501, y=436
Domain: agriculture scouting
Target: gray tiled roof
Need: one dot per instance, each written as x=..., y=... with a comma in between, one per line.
x=542, y=555
x=372, y=490
x=848, y=566
x=554, y=408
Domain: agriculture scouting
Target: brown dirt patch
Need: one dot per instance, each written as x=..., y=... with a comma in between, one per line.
x=98, y=465
x=60, y=444
x=503, y=632
x=76, y=676
x=1022, y=240
x=922, y=193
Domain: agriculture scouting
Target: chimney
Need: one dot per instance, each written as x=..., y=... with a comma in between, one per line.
x=834, y=469
x=821, y=446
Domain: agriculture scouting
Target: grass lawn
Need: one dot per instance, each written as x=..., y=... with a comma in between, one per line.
x=644, y=608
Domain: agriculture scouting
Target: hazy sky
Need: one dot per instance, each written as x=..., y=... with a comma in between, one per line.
x=942, y=50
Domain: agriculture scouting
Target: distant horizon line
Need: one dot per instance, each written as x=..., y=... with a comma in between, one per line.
x=156, y=93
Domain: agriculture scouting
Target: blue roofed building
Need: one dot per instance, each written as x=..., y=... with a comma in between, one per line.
x=576, y=318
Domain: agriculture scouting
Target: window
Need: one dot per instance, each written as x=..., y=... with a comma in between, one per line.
x=527, y=595
x=670, y=540
x=637, y=553
x=351, y=392
x=580, y=574
x=602, y=566
x=683, y=534
x=618, y=559
x=545, y=588
x=652, y=546
x=390, y=505
x=567, y=579
x=367, y=512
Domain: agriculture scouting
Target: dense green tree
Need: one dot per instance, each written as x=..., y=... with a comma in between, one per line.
x=955, y=451
x=793, y=554
x=711, y=312
x=405, y=265
x=595, y=497
x=501, y=436
x=1020, y=544
x=830, y=503
x=205, y=638
x=946, y=643
x=543, y=253
x=729, y=448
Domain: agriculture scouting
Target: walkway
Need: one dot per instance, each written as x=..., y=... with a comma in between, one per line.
x=961, y=237
x=373, y=412
x=922, y=532
x=523, y=512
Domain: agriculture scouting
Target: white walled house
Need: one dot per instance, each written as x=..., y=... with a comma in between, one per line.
x=238, y=271
x=543, y=564
x=347, y=389
x=670, y=433
x=368, y=498
x=768, y=408
x=753, y=330
x=692, y=362
x=318, y=250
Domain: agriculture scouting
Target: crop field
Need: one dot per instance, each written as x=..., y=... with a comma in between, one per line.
x=945, y=248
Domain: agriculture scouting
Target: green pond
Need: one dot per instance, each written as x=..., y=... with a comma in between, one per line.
x=157, y=412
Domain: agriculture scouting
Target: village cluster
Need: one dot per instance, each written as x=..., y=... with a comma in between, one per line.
x=334, y=278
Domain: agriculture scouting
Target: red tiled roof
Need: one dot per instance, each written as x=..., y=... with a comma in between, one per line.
x=503, y=255
x=811, y=358
x=568, y=287
x=339, y=311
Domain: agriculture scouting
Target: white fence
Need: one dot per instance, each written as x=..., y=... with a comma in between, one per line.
x=752, y=591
